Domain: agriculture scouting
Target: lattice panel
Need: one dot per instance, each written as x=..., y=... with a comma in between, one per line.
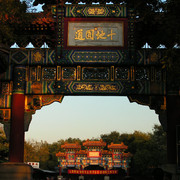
x=81, y=80
x=122, y=73
x=5, y=101
x=48, y=74
x=68, y=73
x=142, y=73
x=97, y=73
x=6, y=88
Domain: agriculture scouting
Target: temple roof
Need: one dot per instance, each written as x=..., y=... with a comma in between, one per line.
x=60, y=154
x=127, y=154
x=117, y=146
x=43, y=18
x=84, y=152
x=71, y=146
x=47, y=2
x=36, y=2
x=100, y=143
x=106, y=152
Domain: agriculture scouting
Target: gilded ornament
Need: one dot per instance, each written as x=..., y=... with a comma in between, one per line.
x=37, y=56
x=96, y=11
x=154, y=57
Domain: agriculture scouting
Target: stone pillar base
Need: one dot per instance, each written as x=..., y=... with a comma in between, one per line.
x=15, y=171
x=81, y=177
x=171, y=169
x=106, y=178
x=60, y=177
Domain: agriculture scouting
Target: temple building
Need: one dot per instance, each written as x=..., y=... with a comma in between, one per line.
x=94, y=159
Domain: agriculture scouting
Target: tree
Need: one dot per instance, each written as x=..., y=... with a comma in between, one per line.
x=13, y=17
x=45, y=153
x=73, y=140
x=30, y=151
x=4, y=147
x=13, y=20
x=148, y=149
x=112, y=137
x=159, y=143
x=41, y=152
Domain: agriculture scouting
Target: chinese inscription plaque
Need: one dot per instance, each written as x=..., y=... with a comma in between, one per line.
x=96, y=33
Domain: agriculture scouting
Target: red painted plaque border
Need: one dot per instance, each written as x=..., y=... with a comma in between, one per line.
x=125, y=23
x=93, y=172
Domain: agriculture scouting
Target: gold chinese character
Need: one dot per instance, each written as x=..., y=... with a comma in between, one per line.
x=111, y=34
x=101, y=34
x=100, y=11
x=79, y=35
x=90, y=34
x=91, y=11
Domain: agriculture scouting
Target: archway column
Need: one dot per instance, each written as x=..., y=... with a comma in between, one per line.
x=16, y=149
x=173, y=120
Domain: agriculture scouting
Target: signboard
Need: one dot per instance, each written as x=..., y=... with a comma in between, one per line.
x=34, y=164
x=94, y=172
x=95, y=32
x=93, y=154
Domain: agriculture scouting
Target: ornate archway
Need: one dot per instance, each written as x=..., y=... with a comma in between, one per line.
x=92, y=52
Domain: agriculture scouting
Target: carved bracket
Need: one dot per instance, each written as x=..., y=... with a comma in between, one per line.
x=36, y=102
x=32, y=103
x=157, y=103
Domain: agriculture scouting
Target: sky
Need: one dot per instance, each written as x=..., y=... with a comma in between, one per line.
x=87, y=117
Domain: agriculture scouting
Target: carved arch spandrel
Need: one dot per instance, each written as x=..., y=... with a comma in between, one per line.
x=36, y=102
x=157, y=103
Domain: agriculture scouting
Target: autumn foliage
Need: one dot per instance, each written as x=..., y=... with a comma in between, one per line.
x=12, y=14
x=148, y=149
